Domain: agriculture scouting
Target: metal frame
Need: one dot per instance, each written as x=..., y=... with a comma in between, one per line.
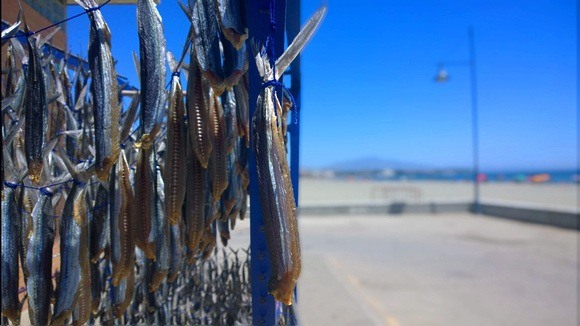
x=72, y=61
x=264, y=308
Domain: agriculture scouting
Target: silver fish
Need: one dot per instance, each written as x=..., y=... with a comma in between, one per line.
x=10, y=304
x=228, y=100
x=99, y=224
x=161, y=229
x=106, y=108
x=235, y=64
x=36, y=112
x=204, y=17
x=276, y=196
x=176, y=251
x=39, y=260
x=232, y=19
x=73, y=221
x=122, y=295
x=152, y=68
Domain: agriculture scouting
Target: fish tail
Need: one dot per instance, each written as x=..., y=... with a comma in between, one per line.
x=283, y=288
x=87, y=4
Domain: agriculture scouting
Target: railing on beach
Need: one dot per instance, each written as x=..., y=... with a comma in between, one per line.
x=396, y=193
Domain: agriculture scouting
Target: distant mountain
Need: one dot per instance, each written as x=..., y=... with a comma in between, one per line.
x=374, y=163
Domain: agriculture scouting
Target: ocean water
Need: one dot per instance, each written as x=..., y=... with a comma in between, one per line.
x=556, y=176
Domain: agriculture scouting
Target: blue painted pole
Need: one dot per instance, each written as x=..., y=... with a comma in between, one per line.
x=292, y=29
x=263, y=304
x=474, y=121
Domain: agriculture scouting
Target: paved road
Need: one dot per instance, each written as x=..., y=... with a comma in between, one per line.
x=451, y=269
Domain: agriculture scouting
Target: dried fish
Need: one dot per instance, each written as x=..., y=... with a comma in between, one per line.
x=276, y=196
x=122, y=221
x=10, y=277
x=36, y=112
x=232, y=22
x=152, y=68
x=99, y=224
x=106, y=109
x=175, y=157
x=198, y=115
x=218, y=174
x=160, y=266
x=197, y=191
x=39, y=259
x=73, y=222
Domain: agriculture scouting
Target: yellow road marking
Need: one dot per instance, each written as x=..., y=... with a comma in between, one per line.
x=356, y=285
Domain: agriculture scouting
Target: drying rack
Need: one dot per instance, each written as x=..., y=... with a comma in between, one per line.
x=265, y=309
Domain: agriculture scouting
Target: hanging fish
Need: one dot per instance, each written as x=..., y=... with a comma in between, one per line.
x=152, y=67
x=176, y=252
x=277, y=198
x=276, y=193
x=198, y=114
x=143, y=203
x=39, y=259
x=36, y=111
x=122, y=219
x=96, y=289
x=10, y=277
x=197, y=191
x=106, y=108
x=99, y=224
x=232, y=19
x=218, y=174
x=204, y=18
x=175, y=157
x=161, y=231
x=242, y=109
x=73, y=223
x=122, y=295
x=235, y=64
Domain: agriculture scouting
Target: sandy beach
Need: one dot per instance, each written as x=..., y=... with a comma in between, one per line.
x=549, y=195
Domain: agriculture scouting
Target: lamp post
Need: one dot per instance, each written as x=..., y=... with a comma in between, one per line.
x=442, y=77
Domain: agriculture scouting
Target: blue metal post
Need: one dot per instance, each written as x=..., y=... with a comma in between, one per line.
x=263, y=304
x=474, y=121
x=292, y=29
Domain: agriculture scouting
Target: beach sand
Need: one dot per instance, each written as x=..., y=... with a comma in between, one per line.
x=549, y=195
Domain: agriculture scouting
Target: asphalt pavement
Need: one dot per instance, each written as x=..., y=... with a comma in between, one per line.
x=448, y=269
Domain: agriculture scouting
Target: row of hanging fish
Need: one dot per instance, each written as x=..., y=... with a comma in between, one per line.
x=135, y=192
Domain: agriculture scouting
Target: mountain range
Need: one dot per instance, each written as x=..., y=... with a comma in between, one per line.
x=374, y=163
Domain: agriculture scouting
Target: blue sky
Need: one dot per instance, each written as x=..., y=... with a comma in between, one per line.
x=368, y=87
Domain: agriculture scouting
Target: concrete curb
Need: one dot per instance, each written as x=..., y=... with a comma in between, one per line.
x=560, y=218
x=393, y=208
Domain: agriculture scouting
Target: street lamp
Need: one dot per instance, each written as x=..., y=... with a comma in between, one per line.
x=442, y=77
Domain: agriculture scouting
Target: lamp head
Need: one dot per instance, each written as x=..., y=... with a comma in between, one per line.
x=442, y=75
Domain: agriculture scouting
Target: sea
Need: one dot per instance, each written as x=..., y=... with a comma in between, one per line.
x=555, y=176
x=540, y=176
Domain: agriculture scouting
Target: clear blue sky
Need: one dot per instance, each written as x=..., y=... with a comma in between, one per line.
x=368, y=87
